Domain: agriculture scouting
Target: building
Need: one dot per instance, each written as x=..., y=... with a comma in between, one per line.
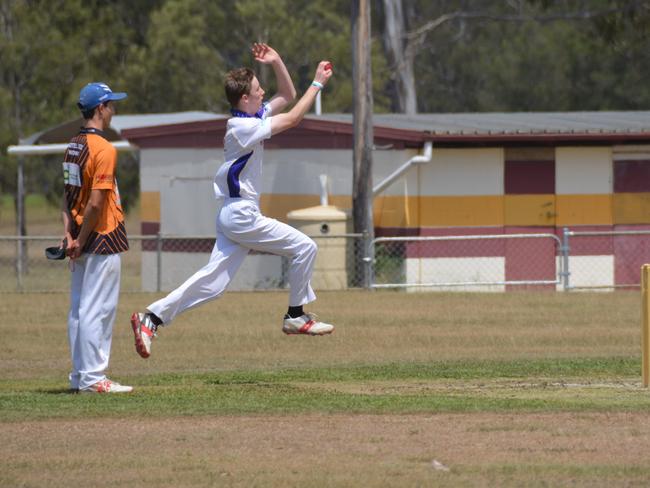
x=488, y=173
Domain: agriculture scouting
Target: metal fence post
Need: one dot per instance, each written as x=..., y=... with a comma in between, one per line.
x=564, y=249
x=20, y=261
x=20, y=223
x=368, y=259
x=158, y=262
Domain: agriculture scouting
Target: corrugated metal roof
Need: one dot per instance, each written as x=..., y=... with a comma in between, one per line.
x=63, y=132
x=511, y=123
x=452, y=126
x=123, y=122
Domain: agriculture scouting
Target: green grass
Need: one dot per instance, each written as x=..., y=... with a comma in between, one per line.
x=451, y=386
x=507, y=389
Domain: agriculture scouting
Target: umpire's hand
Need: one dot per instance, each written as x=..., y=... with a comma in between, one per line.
x=74, y=249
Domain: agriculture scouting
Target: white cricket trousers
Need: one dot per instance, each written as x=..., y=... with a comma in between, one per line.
x=240, y=228
x=94, y=293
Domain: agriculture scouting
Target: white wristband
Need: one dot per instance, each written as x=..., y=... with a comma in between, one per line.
x=317, y=84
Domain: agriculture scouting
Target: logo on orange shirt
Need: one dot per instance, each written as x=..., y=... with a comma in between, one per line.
x=103, y=178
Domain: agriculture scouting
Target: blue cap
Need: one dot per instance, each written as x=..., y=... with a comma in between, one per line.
x=93, y=94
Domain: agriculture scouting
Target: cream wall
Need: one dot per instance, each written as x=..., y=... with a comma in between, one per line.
x=188, y=206
x=296, y=171
x=455, y=172
x=178, y=182
x=583, y=170
x=386, y=162
x=186, y=162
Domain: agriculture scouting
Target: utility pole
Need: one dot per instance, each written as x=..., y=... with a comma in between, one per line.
x=363, y=135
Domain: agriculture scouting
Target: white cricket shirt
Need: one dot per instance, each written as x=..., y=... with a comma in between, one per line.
x=241, y=174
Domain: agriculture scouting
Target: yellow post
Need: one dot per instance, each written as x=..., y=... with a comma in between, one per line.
x=645, y=324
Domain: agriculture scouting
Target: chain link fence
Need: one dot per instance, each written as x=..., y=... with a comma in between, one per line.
x=161, y=263
x=605, y=259
x=575, y=260
x=469, y=262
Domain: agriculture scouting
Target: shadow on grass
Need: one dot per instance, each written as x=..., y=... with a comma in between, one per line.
x=57, y=391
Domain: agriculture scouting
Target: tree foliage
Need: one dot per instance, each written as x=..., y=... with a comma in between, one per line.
x=171, y=55
x=529, y=55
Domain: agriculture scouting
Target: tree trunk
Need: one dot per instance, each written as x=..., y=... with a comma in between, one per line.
x=401, y=58
x=363, y=133
x=15, y=88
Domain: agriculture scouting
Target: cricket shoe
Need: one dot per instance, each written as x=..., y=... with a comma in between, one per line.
x=107, y=386
x=144, y=331
x=306, y=324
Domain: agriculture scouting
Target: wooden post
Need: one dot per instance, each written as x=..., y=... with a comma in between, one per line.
x=362, y=200
x=645, y=324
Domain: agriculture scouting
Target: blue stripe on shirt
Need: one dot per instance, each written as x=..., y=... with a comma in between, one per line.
x=233, y=175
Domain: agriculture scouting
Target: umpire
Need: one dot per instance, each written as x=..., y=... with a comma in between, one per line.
x=94, y=237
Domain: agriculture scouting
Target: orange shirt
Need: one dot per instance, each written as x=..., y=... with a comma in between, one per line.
x=89, y=164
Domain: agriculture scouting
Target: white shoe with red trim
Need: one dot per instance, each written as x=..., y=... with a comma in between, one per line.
x=107, y=386
x=144, y=331
x=306, y=324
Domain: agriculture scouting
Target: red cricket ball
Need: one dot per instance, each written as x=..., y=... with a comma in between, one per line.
x=328, y=66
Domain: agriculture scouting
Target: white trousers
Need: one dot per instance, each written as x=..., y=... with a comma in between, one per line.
x=240, y=228
x=94, y=292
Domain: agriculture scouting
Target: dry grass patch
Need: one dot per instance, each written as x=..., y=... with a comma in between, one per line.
x=331, y=450
x=229, y=357
x=242, y=331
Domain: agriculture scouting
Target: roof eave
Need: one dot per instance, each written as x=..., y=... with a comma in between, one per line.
x=546, y=138
x=174, y=129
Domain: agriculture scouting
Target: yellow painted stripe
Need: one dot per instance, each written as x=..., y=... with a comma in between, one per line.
x=445, y=211
x=470, y=211
x=535, y=210
x=593, y=209
x=150, y=206
x=467, y=211
x=631, y=208
x=278, y=205
x=395, y=211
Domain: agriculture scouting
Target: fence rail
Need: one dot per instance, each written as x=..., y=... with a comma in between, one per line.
x=487, y=261
x=162, y=262
x=605, y=259
x=572, y=259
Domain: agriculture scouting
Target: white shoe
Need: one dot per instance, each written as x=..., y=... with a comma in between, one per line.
x=144, y=331
x=107, y=386
x=306, y=324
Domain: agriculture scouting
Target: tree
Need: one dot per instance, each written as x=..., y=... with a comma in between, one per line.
x=33, y=81
x=179, y=66
x=197, y=37
x=49, y=49
x=401, y=55
x=496, y=29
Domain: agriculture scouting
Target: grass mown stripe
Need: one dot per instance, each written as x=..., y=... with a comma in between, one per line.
x=255, y=399
x=582, y=367
x=458, y=386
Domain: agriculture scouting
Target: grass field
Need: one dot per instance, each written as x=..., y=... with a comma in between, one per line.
x=429, y=389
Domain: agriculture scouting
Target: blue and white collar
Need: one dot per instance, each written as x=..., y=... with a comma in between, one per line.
x=238, y=113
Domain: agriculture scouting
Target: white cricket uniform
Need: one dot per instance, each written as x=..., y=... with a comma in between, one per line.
x=240, y=225
x=94, y=292
x=90, y=163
